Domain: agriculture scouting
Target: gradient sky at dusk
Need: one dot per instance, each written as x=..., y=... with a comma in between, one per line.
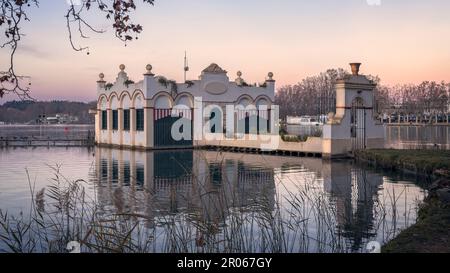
x=402, y=41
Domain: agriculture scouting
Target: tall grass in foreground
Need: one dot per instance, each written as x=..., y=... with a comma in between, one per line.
x=301, y=219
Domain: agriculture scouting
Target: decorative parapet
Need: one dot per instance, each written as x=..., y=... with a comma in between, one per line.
x=213, y=81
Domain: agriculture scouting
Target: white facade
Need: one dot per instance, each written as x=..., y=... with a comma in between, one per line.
x=149, y=104
x=354, y=125
x=155, y=96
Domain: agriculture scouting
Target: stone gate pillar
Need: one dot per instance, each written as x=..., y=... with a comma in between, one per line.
x=354, y=91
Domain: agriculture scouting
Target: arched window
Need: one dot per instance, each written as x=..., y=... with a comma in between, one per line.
x=103, y=113
x=139, y=108
x=126, y=103
x=115, y=113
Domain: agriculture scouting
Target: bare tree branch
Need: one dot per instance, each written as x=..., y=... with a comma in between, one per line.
x=12, y=15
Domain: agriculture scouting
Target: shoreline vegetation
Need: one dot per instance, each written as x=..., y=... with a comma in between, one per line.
x=431, y=233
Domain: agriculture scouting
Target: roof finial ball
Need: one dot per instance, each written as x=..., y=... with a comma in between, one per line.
x=101, y=76
x=270, y=76
x=122, y=67
x=239, y=74
x=149, y=68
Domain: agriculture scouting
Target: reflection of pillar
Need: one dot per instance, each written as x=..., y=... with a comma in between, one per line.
x=149, y=172
x=337, y=182
x=353, y=190
x=133, y=170
x=121, y=162
x=150, y=204
x=98, y=169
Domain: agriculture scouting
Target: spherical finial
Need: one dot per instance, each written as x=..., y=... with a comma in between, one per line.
x=101, y=76
x=122, y=67
x=149, y=68
x=239, y=74
x=270, y=75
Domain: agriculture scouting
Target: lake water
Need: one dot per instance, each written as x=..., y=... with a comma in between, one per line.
x=407, y=137
x=204, y=201
x=398, y=137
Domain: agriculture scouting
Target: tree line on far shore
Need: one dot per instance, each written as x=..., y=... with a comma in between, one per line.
x=316, y=95
x=29, y=112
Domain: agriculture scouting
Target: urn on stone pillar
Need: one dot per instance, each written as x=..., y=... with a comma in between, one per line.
x=355, y=68
x=353, y=126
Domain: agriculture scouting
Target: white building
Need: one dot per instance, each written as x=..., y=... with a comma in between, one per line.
x=141, y=115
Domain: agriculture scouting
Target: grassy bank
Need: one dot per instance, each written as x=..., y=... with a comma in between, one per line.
x=426, y=162
x=431, y=233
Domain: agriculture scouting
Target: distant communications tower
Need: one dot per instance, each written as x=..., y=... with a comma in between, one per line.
x=186, y=66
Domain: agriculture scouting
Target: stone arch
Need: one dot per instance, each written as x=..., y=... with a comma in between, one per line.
x=125, y=100
x=163, y=101
x=138, y=100
x=244, y=100
x=185, y=99
x=263, y=100
x=113, y=101
x=102, y=103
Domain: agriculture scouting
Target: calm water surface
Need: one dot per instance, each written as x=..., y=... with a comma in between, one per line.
x=225, y=202
x=397, y=137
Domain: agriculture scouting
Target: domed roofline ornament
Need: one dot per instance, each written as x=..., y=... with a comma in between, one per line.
x=214, y=69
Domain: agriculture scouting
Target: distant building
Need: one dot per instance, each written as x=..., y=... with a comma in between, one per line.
x=60, y=119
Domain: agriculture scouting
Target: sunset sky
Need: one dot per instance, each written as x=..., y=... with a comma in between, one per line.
x=402, y=41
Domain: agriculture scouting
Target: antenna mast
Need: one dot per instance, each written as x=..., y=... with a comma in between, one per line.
x=186, y=65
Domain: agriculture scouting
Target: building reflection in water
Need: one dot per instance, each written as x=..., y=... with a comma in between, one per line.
x=164, y=182
x=211, y=188
x=354, y=191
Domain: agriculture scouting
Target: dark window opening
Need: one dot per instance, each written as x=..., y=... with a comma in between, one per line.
x=126, y=120
x=104, y=120
x=139, y=119
x=115, y=120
